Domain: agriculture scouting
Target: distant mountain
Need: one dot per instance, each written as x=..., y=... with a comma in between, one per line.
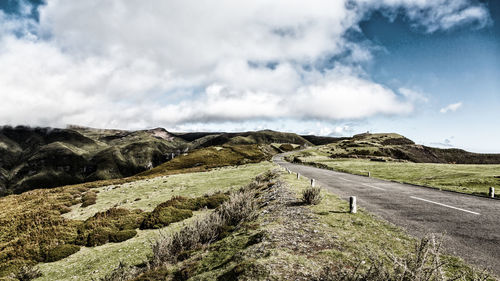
x=45, y=157
x=256, y=137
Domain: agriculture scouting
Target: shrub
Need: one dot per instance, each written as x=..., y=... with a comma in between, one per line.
x=163, y=216
x=27, y=273
x=89, y=198
x=97, y=230
x=60, y=252
x=97, y=237
x=312, y=196
x=240, y=207
x=193, y=204
x=122, y=235
x=215, y=200
x=286, y=147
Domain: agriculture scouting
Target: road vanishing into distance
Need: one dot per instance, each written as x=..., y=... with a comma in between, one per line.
x=471, y=224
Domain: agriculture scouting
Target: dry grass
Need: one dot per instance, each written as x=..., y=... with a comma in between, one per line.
x=424, y=263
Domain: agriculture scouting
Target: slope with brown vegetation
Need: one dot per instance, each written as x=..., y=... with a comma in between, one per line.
x=206, y=158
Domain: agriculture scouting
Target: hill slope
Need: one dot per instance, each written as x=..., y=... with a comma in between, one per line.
x=45, y=157
x=391, y=147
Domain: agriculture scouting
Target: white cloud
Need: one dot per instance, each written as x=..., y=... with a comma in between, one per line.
x=413, y=96
x=451, y=107
x=132, y=64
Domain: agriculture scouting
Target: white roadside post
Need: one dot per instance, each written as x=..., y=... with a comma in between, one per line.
x=298, y=175
x=492, y=192
x=313, y=182
x=369, y=174
x=352, y=204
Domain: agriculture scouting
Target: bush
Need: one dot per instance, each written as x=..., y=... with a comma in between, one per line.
x=89, y=198
x=312, y=196
x=27, y=273
x=97, y=237
x=193, y=204
x=240, y=207
x=215, y=200
x=97, y=230
x=163, y=216
x=60, y=252
x=286, y=147
x=122, y=235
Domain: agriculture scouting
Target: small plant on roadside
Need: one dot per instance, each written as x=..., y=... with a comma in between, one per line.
x=312, y=196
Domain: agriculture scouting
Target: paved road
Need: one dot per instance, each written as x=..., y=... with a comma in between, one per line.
x=471, y=224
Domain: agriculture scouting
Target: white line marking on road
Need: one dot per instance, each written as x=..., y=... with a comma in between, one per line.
x=369, y=185
x=444, y=205
x=372, y=186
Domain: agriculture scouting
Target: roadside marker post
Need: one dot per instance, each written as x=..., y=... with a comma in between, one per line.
x=492, y=192
x=313, y=182
x=369, y=174
x=298, y=176
x=352, y=205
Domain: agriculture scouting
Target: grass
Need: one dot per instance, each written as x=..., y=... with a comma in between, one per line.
x=464, y=178
x=266, y=248
x=154, y=191
x=37, y=221
x=102, y=259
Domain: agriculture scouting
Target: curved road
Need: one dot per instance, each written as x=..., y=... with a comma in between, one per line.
x=471, y=224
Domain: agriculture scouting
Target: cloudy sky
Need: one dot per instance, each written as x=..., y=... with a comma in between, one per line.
x=428, y=69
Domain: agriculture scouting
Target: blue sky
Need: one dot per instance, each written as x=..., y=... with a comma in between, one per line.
x=426, y=69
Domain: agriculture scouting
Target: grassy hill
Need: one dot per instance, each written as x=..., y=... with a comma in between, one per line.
x=394, y=147
x=396, y=158
x=45, y=157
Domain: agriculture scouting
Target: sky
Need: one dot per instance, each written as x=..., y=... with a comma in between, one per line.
x=427, y=69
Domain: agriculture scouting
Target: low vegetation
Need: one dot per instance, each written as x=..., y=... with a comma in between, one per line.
x=60, y=252
x=312, y=195
x=240, y=207
x=31, y=223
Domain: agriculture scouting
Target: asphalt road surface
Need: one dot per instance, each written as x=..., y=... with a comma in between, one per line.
x=471, y=224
